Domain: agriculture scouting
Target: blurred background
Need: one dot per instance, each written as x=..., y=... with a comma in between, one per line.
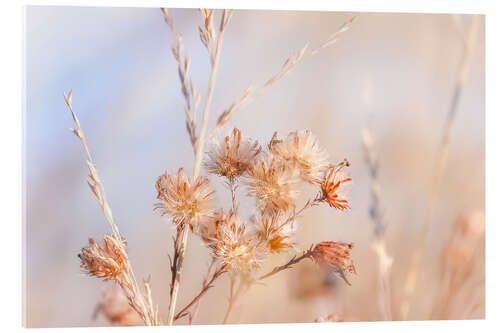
x=392, y=73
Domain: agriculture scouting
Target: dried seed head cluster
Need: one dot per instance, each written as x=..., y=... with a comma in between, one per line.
x=302, y=150
x=272, y=178
x=335, y=255
x=115, y=307
x=184, y=200
x=231, y=156
x=107, y=261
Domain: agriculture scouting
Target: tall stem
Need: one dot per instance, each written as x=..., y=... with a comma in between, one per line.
x=197, y=164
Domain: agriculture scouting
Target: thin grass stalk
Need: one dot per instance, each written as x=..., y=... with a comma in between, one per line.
x=384, y=260
x=200, y=142
x=469, y=39
x=208, y=283
x=130, y=286
x=290, y=63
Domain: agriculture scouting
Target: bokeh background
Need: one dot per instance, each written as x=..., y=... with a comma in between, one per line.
x=393, y=72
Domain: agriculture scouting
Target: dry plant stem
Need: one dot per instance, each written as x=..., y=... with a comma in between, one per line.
x=129, y=284
x=234, y=297
x=290, y=63
x=469, y=40
x=200, y=142
x=232, y=188
x=309, y=204
x=379, y=243
x=206, y=281
x=243, y=286
x=206, y=286
x=307, y=254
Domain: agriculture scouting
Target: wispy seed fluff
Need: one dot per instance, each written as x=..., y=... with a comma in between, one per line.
x=273, y=184
x=275, y=231
x=231, y=156
x=302, y=150
x=107, y=261
x=185, y=200
x=232, y=244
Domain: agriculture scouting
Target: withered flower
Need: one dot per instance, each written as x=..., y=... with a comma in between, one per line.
x=184, y=200
x=232, y=156
x=107, y=261
x=301, y=149
x=273, y=184
x=116, y=308
x=274, y=231
x=236, y=249
x=335, y=255
x=332, y=184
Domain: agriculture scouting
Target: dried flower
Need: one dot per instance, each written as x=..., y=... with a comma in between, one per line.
x=273, y=184
x=332, y=184
x=184, y=199
x=116, y=308
x=461, y=248
x=274, y=231
x=209, y=228
x=335, y=255
x=107, y=261
x=332, y=317
x=233, y=245
x=232, y=156
x=302, y=150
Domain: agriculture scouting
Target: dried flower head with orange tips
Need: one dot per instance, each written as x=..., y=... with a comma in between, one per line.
x=275, y=231
x=272, y=184
x=185, y=200
x=107, y=261
x=331, y=185
x=301, y=149
x=335, y=255
x=232, y=245
x=231, y=156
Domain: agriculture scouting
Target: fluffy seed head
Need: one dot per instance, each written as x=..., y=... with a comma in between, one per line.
x=232, y=156
x=274, y=231
x=302, y=150
x=184, y=200
x=331, y=185
x=233, y=245
x=273, y=184
x=107, y=261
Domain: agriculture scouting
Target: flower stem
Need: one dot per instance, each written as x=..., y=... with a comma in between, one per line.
x=197, y=163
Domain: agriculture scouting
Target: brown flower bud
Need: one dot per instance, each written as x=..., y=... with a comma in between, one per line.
x=335, y=255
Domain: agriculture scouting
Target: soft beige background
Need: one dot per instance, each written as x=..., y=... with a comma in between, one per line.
x=399, y=68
